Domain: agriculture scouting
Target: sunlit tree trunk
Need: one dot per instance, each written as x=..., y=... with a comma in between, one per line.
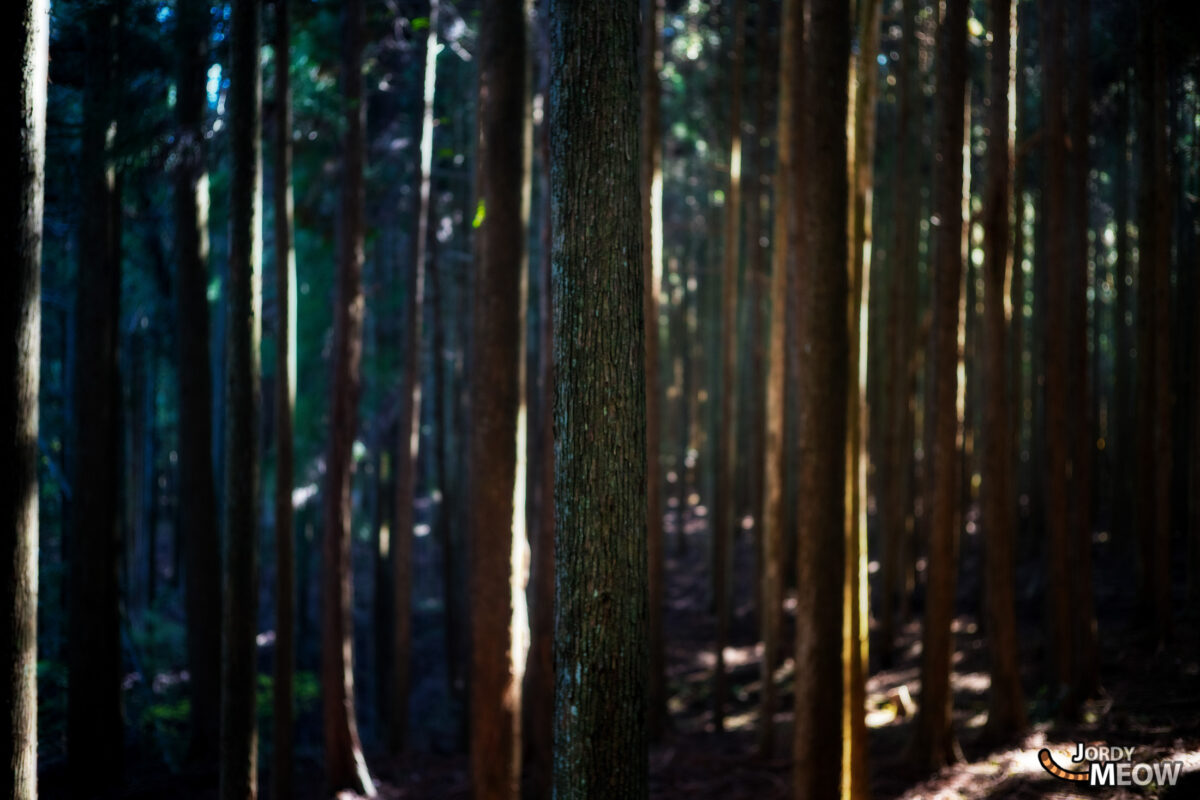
x=23, y=141
x=933, y=743
x=95, y=738
x=1006, y=710
x=600, y=483
x=823, y=383
x=239, y=733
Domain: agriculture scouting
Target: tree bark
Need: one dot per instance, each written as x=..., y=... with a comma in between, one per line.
x=285, y=403
x=933, y=743
x=600, y=462
x=239, y=735
x=496, y=384
x=1006, y=710
x=95, y=725
x=823, y=394
x=23, y=140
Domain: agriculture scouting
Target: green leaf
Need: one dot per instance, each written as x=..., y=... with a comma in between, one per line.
x=480, y=214
x=420, y=23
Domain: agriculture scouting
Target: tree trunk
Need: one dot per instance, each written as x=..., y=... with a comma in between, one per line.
x=345, y=767
x=933, y=743
x=726, y=444
x=652, y=11
x=823, y=383
x=1006, y=710
x=495, y=516
x=23, y=99
x=785, y=234
x=600, y=481
x=95, y=738
x=1123, y=417
x=285, y=403
x=409, y=420
x=239, y=735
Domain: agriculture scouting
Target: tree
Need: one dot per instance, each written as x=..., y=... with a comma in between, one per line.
x=94, y=715
x=652, y=11
x=1006, y=709
x=23, y=140
x=823, y=383
x=933, y=743
x=495, y=515
x=600, y=486
x=408, y=427
x=345, y=767
x=285, y=403
x=198, y=525
x=239, y=734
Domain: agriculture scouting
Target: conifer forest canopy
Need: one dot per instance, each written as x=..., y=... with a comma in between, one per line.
x=600, y=399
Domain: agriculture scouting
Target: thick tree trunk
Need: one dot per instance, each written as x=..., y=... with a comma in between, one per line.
x=23, y=141
x=600, y=481
x=95, y=740
x=726, y=444
x=239, y=734
x=408, y=427
x=1006, y=710
x=345, y=767
x=933, y=742
x=651, y=154
x=823, y=383
x=496, y=384
x=285, y=403
x=785, y=234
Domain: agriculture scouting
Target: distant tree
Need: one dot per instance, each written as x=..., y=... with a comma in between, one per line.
x=496, y=381
x=600, y=481
x=239, y=734
x=285, y=403
x=1006, y=711
x=726, y=433
x=345, y=767
x=197, y=494
x=823, y=382
x=23, y=141
x=933, y=743
x=95, y=738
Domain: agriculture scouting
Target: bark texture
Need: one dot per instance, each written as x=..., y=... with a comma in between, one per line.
x=600, y=487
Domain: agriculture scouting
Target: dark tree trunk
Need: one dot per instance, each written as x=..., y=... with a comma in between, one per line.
x=1006, y=711
x=933, y=742
x=23, y=141
x=95, y=738
x=823, y=394
x=239, y=735
x=285, y=402
x=345, y=767
x=1123, y=416
x=496, y=381
x=600, y=482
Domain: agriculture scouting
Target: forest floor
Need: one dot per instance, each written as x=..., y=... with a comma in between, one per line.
x=1150, y=701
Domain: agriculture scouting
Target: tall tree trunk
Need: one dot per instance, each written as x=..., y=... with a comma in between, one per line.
x=409, y=420
x=863, y=83
x=496, y=516
x=285, y=403
x=1058, y=532
x=95, y=739
x=652, y=11
x=1123, y=416
x=933, y=742
x=723, y=501
x=600, y=481
x=239, y=734
x=823, y=383
x=786, y=236
x=345, y=767
x=1086, y=678
x=23, y=140
x=1006, y=710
